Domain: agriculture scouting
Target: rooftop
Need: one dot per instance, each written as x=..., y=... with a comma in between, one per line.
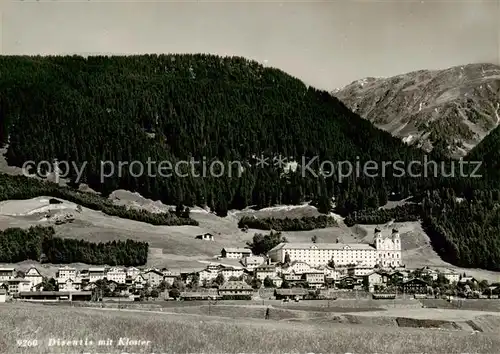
x=237, y=250
x=323, y=246
x=266, y=267
x=18, y=280
x=240, y=285
x=96, y=269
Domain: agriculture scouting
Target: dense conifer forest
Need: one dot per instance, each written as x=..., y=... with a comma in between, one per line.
x=40, y=244
x=177, y=107
x=202, y=107
x=407, y=212
x=287, y=224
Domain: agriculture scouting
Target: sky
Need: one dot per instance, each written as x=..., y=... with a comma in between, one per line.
x=327, y=44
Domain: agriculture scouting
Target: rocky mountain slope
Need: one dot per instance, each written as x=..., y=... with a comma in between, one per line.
x=454, y=108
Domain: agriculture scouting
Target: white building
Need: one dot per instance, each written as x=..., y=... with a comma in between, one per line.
x=317, y=254
x=34, y=276
x=453, y=277
x=235, y=253
x=139, y=282
x=7, y=274
x=265, y=270
x=96, y=274
x=132, y=272
x=169, y=279
x=205, y=237
x=297, y=267
x=359, y=271
x=18, y=285
x=66, y=273
x=209, y=273
x=252, y=262
x=315, y=278
x=3, y=295
x=228, y=272
x=432, y=273
x=70, y=285
x=388, y=249
x=117, y=275
x=387, y=252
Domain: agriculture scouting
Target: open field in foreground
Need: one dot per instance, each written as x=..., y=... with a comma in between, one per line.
x=170, y=333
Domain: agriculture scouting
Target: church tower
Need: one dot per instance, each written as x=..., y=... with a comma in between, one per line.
x=378, y=239
x=396, y=240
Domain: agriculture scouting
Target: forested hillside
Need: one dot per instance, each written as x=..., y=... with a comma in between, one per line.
x=464, y=223
x=177, y=107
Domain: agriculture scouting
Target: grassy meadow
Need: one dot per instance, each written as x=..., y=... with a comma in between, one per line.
x=184, y=333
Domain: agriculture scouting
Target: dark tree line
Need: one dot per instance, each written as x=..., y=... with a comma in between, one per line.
x=287, y=224
x=39, y=244
x=406, y=212
x=261, y=244
x=21, y=187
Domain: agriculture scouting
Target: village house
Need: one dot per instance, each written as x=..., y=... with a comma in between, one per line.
x=464, y=280
x=452, y=276
x=66, y=273
x=132, y=272
x=333, y=274
x=277, y=281
x=97, y=273
x=235, y=253
x=230, y=272
x=359, y=271
x=166, y=271
x=169, y=279
x=292, y=277
x=349, y=282
x=375, y=279
x=70, y=285
x=415, y=286
x=83, y=275
x=153, y=277
x=117, y=275
x=297, y=267
x=7, y=274
x=431, y=273
x=399, y=276
x=265, y=270
x=34, y=276
x=209, y=273
x=251, y=262
x=235, y=288
x=139, y=282
x=315, y=279
x=205, y=237
x=17, y=285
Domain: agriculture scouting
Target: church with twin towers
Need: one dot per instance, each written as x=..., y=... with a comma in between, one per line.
x=385, y=252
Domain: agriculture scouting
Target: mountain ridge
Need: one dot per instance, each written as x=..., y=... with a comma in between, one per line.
x=452, y=109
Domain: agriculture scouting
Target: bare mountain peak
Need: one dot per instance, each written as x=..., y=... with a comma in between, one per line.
x=458, y=105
